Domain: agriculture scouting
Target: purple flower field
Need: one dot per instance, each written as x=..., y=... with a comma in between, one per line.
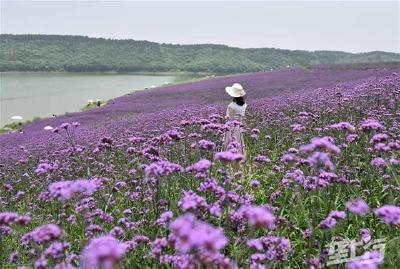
x=143, y=182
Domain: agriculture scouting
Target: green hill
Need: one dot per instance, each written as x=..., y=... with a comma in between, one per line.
x=82, y=54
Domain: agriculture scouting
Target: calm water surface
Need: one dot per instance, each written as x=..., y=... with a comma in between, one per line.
x=43, y=94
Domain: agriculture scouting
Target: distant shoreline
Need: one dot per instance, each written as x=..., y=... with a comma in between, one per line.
x=210, y=74
x=145, y=73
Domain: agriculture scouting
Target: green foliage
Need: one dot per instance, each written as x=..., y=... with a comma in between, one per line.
x=84, y=54
x=11, y=127
x=91, y=105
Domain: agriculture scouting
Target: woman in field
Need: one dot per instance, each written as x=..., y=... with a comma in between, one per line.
x=235, y=112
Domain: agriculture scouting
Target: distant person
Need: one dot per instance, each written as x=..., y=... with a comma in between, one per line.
x=98, y=102
x=235, y=111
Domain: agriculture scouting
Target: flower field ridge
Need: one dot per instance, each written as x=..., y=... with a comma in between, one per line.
x=143, y=182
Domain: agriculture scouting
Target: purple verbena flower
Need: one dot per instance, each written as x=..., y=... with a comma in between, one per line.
x=379, y=162
x=228, y=156
x=258, y=216
x=389, y=214
x=192, y=202
x=358, y=207
x=191, y=234
x=104, y=251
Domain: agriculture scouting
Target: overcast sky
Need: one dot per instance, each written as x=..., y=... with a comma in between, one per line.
x=356, y=26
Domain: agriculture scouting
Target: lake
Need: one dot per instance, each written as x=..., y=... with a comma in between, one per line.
x=32, y=95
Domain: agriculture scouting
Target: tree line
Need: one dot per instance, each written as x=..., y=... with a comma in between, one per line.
x=84, y=54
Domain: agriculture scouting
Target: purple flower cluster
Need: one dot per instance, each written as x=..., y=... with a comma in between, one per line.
x=389, y=214
x=369, y=260
x=371, y=124
x=331, y=220
x=378, y=162
x=261, y=159
x=164, y=218
x=65, y=190
x=206, y=144
x=358, y=207
x=257, y=216
x=228, y=156
x=104, y=251
x=191, y=234
x=45, y=167
x=272, y=248
x=200, y=167
x=10, y=218
x=343, y=126
x=322, y=144
x=192, y=202
x=162, y=168
x=43, y=234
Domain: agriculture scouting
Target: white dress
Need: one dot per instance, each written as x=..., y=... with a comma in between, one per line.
x=235, y=112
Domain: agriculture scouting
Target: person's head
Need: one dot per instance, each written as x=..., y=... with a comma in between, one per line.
x=236, y=91
x=239, y=100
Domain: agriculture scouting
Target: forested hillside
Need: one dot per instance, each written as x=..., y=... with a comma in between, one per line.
x=79, y=54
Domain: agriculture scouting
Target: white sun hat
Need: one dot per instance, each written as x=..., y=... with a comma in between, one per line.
x=236, y=90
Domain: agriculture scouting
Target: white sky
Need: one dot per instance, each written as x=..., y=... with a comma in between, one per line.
x=354, y=26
